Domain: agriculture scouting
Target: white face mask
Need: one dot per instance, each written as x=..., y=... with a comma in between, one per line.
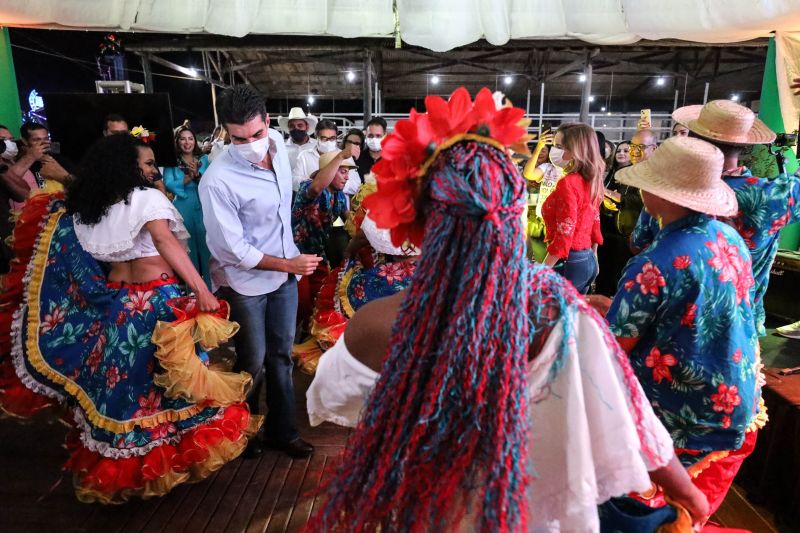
x=557, y=157
x=374, y=144
x=256, y=151
x=11, y=150
x=325, y=147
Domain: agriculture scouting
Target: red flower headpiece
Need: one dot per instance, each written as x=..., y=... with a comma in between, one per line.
x=409, y=150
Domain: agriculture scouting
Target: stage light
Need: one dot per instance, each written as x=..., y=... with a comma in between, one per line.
x=434, y=80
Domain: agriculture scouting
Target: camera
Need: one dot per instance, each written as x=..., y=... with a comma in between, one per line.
x=786, y=139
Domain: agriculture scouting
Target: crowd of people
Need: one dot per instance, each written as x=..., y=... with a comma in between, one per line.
x=519, y=340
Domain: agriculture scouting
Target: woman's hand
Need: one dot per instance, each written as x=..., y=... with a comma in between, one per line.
x=207, y=302
x=545, y=139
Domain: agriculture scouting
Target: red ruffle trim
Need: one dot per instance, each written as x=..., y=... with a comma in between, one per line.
x=326, y=317
x=16, y=398
x=114, y=480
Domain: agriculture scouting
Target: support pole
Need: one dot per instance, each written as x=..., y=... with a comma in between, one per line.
x=528, y=103
x=148, y=74
x=705, y=94
x=675, y=102
x=541, y=107
x=367, y=84
x=587, y=89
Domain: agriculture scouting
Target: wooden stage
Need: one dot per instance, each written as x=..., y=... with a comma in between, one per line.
x=270, y=494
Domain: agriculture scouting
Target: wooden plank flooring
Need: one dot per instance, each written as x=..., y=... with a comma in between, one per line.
x=273, y=493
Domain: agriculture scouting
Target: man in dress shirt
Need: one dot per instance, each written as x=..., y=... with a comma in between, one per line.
x=246, y=196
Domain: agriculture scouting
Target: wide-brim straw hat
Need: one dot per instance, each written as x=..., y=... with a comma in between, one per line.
x=686, y=172
x=296, y=113
x=326, y=158
x=726, y=122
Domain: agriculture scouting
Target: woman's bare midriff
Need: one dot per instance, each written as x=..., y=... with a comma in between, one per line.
x=140, y=270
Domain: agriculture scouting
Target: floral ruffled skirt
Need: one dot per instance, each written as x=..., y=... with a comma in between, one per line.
x=127, y=360
x=345, y=290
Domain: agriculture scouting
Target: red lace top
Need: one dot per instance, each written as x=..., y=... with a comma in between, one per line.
x=571, y=221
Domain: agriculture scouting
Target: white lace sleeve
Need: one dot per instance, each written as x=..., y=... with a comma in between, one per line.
x=584, y=444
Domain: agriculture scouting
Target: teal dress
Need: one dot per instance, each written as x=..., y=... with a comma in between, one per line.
x=187, y=202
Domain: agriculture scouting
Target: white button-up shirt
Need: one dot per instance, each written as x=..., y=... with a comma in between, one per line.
x=308, y=163
x=293, y=150
x=247, y=214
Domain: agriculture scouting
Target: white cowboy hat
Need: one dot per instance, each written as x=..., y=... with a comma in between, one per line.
x=686, y=172
x=326, y=158
x=297, y=113
x=724, y=121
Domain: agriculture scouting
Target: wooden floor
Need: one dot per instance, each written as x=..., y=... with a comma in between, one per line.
x=270, y=494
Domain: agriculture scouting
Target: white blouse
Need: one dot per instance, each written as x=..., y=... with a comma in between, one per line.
x=584, y=446
x=121, y=236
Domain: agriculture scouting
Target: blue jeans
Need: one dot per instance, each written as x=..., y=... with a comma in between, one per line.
x=580, y=268
x=264, y=349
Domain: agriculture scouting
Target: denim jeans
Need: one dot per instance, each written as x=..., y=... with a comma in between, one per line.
x=580, y=268
x=264, y=349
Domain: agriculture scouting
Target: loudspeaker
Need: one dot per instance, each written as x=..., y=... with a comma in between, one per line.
x=781, y=299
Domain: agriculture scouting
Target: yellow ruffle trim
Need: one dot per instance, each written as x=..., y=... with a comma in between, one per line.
x=341, y=291
x=308, y=355
x=185, y=374
x=37, y=361
x=218, y=456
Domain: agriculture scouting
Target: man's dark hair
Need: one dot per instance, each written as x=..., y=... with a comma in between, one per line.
x=377, y=121
x=728, y=150
x=326, y=124
x=240, y=104
x=4, y=127
x=28, y=127
x=113, y=117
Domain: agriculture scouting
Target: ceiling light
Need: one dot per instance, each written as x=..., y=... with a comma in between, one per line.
x=435, y=79
x=193, y=72
x=310, y=100
x=351, y=76
x=591, y=98
x=735, y=97
x=660, y=81
x=603, y=108
x=507, y=80
x=582, y=78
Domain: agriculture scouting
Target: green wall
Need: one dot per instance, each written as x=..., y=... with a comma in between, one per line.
x=770, y=113
x=10, y=113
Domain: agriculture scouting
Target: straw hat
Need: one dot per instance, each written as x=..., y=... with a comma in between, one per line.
x=686, y=172
x=294, y=114
x=724, y=121
x=326, y=158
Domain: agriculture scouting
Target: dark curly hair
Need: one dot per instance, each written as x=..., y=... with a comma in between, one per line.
x=108, y=173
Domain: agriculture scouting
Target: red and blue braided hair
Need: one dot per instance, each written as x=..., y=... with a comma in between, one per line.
x=444, y=434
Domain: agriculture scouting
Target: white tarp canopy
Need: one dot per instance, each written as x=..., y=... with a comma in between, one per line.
x=438, y=25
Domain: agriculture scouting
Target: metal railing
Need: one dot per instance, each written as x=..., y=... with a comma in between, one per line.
x=615, y=126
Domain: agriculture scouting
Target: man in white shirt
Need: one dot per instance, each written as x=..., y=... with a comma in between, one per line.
x=308, y=160
x=246, y=195
x=297, y=125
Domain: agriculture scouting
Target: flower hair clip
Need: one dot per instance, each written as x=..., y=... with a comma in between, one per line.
x=143, y=134
x=408, y=152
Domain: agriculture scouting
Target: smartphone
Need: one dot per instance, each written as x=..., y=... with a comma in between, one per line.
x=55, y=148
x=644, y=119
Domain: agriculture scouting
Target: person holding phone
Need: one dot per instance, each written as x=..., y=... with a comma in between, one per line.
x=182, y=181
